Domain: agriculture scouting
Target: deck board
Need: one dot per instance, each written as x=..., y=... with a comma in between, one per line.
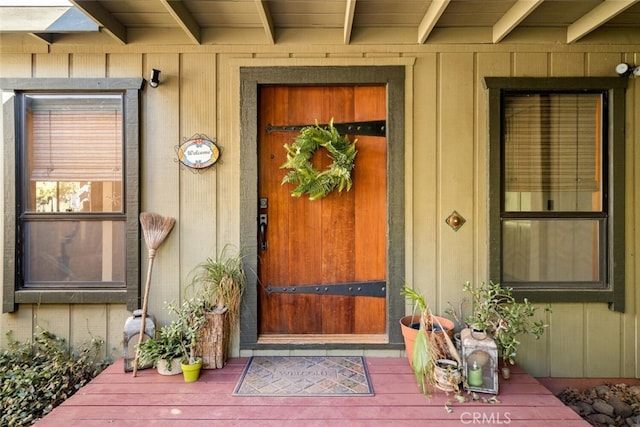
x=118, y=399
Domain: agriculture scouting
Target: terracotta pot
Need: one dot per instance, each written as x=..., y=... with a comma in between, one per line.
x=409, y=333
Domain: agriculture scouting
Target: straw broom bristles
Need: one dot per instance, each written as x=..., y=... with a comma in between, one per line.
x=155, y=229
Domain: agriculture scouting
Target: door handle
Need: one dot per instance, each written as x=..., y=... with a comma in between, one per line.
x=263, y=231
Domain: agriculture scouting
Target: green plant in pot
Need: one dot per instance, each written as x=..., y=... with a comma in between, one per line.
x=162, y=350
x=177, y=339
x=190, y=318
x=497, y=313
x=220, y=283
x=434, y=359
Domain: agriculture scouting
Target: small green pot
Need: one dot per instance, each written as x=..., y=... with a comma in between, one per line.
x=191, y=373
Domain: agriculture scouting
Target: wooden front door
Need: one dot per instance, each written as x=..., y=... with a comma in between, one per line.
x=315, y=255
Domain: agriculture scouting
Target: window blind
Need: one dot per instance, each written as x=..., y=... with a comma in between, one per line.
x=75, y=138
x=552, y=142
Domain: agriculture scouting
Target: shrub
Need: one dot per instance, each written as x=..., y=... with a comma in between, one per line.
x=37, y=376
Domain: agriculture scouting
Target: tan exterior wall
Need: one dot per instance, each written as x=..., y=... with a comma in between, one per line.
x=446, y=167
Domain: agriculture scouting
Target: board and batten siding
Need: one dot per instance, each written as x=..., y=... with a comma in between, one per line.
x=445, y=170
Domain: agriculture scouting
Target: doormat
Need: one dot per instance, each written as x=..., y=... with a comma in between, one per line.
x=304, y=376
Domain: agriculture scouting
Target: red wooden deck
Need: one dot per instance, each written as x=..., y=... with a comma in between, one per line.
x=116, y=398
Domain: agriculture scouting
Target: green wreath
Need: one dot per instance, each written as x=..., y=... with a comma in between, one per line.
x=308, y=179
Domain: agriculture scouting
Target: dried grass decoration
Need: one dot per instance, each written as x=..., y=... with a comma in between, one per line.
x=310, y=180
x=220, y=282
x=155, y=228
x=430, y=348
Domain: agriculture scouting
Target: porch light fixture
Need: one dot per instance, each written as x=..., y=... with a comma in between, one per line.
x=624, y=70
x=155, y=78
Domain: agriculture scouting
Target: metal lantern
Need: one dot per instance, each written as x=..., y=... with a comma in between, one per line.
x=479, y=361
x=131, y=334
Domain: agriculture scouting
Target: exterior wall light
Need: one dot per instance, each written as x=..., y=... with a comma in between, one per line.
x=624, y=70
x=154, y=81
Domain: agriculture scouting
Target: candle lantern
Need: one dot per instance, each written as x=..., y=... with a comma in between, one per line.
x=131, y=336
x=480, y=361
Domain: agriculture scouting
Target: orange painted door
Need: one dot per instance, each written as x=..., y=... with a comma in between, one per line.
x=338, y=241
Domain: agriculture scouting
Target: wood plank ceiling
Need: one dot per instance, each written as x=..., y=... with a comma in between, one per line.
x=576, y=18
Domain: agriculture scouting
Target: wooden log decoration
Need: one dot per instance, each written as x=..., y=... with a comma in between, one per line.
x=213, y=339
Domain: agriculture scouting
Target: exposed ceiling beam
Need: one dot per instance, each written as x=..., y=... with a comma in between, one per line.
x=348, y=20
x=103, y=18
x=265, y=17
x=513, y=17
x=596, y=17
x=436, y=8
x=43, y=37
x=184, y=18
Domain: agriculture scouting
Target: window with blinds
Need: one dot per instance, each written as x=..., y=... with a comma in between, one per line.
x=74, y=145
x=71, y=191
x=556, y=187
x=552, y=142
x=74, y=227
x=552, y=153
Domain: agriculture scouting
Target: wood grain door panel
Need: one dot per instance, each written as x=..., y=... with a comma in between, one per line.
x=338, y=239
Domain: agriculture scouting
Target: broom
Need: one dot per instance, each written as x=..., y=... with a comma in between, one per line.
x=155, y=229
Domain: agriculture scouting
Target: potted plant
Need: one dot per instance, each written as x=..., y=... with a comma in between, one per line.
x=174, y=348
x=433, y=358
x=220, y=283
x=410, y=324
x=190, y=318
x=164, y=351
x=496, y=312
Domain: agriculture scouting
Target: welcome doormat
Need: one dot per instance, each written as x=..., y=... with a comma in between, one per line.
x=304, y=376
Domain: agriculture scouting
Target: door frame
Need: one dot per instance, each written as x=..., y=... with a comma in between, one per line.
x=250, y=80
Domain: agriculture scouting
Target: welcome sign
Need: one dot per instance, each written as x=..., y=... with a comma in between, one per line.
x=198, y=153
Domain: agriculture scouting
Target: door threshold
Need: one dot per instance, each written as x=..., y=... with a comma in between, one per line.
x=323, y=339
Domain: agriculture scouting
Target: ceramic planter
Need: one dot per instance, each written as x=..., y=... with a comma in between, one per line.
x=446, y=375
x=506, y=372
x=191, y=373
x=169, y=368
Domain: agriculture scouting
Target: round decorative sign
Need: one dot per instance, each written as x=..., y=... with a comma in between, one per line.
x=198, y=153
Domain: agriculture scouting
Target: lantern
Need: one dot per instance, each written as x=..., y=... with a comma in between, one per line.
x=480, y=361
x=131, y=336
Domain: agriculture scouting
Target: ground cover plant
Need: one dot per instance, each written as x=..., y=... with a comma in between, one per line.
x=37, y=376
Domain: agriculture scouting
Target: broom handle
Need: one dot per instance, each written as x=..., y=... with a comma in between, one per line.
x=152, y=255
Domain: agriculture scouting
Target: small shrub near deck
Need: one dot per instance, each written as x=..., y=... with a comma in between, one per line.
x=37, y=376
